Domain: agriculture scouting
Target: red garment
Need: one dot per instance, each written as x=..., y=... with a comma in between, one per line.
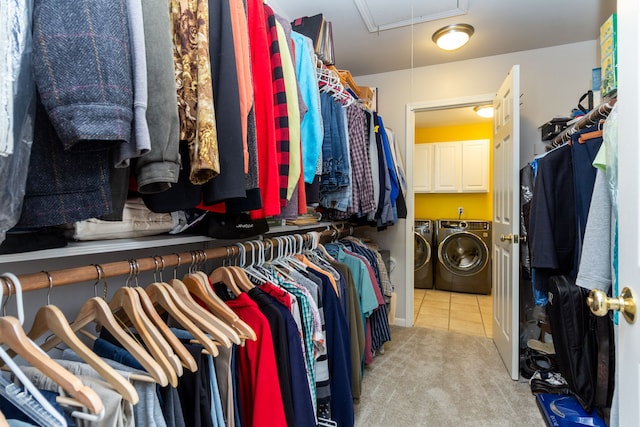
x=368, y=344
x=268, y=177
x=281, y=113
x=279, y=294
x=260, y=395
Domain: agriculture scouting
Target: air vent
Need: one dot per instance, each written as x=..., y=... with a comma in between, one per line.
x=381, y=15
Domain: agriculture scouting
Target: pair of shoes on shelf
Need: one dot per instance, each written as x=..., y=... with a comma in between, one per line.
x=548, y=382
x=543, y=347
x=532, y=361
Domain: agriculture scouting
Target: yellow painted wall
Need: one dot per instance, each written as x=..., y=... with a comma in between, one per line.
x=476, y=205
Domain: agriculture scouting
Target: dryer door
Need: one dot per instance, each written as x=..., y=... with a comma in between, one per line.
x=463, y=253
x=422, y=251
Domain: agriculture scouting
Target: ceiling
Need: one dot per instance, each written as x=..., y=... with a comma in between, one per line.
x=501, y=26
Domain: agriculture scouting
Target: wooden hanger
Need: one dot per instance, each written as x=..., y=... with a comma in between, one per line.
x=362, y=92
x=163, y=296
x=224, y=276
x=590, y=135
x=126, y=301
x=12, y=334
x=213, y=302
x=51, y=318
x=217, y=312
x=204, y=319
x=180, y=350
x=96, y=310
x=241, y=278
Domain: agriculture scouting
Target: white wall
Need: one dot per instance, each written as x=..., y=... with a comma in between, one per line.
x=552, y=81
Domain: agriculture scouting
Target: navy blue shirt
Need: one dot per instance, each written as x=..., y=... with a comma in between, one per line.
x=339, y=353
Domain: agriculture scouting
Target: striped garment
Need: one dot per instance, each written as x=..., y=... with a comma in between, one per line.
x=281, y=114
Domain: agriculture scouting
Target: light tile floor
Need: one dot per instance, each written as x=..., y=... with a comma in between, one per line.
x=466, y=313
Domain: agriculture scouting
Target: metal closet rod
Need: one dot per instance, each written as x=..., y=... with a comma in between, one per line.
x=41, y=280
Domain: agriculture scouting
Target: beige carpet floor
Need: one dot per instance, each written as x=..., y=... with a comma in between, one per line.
x=431, y=377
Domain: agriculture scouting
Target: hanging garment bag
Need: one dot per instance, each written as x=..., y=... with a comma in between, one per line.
x=583, y=344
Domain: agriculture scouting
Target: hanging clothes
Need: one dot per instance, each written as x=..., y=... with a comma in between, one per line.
x=230, y=183
x=16, y=112
x=335, y=183
x=302, y=403
x=584, y=147
x=264, y=109
x=362, y=201
x=552, y=225
x=62, y=186
x=338, y=345
x=293, y=107
x=281, y=117
x=281, y=348
x=140, y=140
x=158, y=170
x=245, y=84
x=98, y=117
x=354, y=319
x=195, y=94
x=194, y=392
x=260, y=392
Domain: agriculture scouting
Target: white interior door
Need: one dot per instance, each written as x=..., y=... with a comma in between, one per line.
x=628, y=349
x=506, y=215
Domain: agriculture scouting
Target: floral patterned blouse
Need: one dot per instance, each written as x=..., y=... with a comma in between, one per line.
x=190, y=22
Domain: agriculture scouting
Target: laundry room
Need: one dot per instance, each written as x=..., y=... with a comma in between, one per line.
x=350, y=225
x=453, y=198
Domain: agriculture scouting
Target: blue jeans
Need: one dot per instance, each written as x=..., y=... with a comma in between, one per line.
x=335, y=152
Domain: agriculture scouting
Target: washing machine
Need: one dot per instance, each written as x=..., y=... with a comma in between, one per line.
x=464, y=256
x=423, y=254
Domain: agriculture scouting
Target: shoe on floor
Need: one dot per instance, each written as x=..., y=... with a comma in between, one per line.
x=532, y=361
x=548, y=382
x=543, y=347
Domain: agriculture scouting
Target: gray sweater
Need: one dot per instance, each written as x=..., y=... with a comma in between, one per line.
x=158, y=169
x=140, y=141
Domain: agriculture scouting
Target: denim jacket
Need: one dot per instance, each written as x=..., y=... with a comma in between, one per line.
x=335, y=182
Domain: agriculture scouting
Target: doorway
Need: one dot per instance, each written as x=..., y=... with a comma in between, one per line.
x=505, y=221
x=468, y=313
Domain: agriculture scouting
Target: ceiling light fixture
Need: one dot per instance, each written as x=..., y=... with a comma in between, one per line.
x=485, y=111
x=453, y=36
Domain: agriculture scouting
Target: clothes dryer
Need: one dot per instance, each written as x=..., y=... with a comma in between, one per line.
x=464, y=257
x=423, y=254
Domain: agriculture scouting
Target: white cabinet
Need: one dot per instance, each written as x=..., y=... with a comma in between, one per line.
x=451, y=167
x=446, y=157
x=475, y=166
x=423, y=168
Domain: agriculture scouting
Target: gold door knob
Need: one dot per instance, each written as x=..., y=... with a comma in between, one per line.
x=508, y=237
x=600, y=303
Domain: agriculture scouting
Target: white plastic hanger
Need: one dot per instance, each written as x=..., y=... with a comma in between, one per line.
x=251, y=269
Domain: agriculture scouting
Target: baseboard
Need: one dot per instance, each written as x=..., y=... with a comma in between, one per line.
x=401, y=321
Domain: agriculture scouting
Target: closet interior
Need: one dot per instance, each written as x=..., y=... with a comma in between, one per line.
x=568, y=214
x=145, y=145
x=277, y=328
